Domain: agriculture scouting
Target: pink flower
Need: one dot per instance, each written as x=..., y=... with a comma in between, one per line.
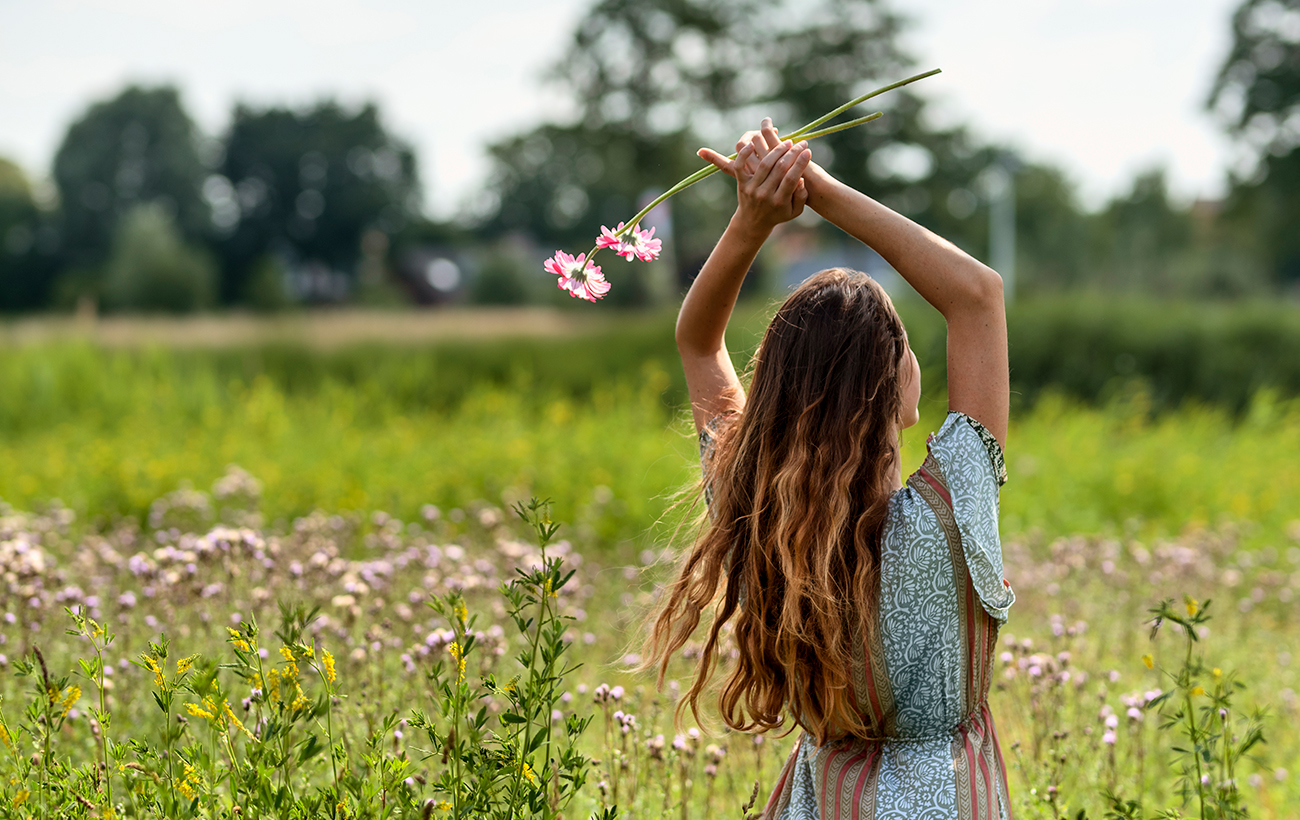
x=580, y=279
x=607, y=238
x=644, y=245
x=633, y=243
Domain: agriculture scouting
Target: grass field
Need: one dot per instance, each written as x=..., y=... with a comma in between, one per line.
x=366, y=458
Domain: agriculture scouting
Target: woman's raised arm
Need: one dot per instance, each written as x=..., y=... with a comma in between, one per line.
x=769, y=192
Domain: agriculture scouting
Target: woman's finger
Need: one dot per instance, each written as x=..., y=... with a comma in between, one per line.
x=723, y=164
x=764, y=171
x=743, y=167
x=800, y=196
x=768, y=131
x=793, y=171
x=773, y=169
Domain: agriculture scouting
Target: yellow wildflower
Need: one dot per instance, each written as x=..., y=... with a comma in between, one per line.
x=235, y=721
x=4, y=736
x=286, y=653
x=21, y=797
x=341, y=808
x=300, y=700
x=237, y=640
x=461, y=613
x=444, y=806
x=198, y=711
x=459, y=655
x=528, y=771
x=328, y=660
x=187, y=785
x=549, y=589
x=152, y=662
x=1149, y=661
x=308, y=651
x=1197, y=691
x=272, y=685
x=1218, y=673
x=70, y=697
x=183, y=665
x=1192, y=605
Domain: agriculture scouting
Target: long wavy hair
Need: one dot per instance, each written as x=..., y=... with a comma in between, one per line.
x=800, y=484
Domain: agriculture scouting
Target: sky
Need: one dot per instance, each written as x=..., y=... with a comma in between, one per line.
x=1102, y=88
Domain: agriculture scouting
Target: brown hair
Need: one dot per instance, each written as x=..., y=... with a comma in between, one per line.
x=800, y=484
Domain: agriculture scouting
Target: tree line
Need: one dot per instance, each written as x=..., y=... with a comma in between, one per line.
x=321, y=203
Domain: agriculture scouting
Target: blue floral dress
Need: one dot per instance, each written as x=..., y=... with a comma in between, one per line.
x=922, y=685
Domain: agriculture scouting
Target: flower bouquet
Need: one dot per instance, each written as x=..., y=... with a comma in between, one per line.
x=583, y=279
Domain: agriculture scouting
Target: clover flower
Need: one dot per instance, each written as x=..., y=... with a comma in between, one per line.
x=579, y=277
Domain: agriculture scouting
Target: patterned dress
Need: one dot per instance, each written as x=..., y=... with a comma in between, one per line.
x=922, y=685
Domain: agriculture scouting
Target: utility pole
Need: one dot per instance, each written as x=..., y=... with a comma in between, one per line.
x=1000, y=187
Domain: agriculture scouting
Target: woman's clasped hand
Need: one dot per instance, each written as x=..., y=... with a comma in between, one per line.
x=769, y=176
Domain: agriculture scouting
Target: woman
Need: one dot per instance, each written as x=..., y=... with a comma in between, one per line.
x=863, y=609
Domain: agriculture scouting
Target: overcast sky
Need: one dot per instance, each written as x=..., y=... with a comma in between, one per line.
x=1103, y=88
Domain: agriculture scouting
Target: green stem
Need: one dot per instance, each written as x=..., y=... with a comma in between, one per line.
x=807, y=132
x=859, y=100
x=329, y=719
x=1193, y=731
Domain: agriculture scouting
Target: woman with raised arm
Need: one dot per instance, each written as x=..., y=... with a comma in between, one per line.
x=864, y=610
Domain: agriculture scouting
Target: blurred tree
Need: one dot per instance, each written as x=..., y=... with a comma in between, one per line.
x=138, y=147
x=1257, y=95
x=26, y=246
x=1142, y=233
x=306, y=186
x=152, y=268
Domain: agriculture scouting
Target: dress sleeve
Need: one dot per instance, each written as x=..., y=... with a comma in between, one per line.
x=974, y=468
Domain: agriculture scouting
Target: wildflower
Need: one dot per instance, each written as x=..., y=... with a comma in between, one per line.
x=1192, y=605
x=70, y=697
x=183, y=665
x=235, y=721
x=286, y=653
x=528, y=772
x=1109, y=737
x=459, y=655
x=1149, y=661
x=152, y=663
x=581, y=279
x=21, y=797
x=1197, y=691
x=459, y=610
x=237, y=640
x=198, y=711
x=630, y=243
x=328, y=660
x=5, y=737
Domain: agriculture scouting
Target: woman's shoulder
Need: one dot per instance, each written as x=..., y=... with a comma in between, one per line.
x=961, y=442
